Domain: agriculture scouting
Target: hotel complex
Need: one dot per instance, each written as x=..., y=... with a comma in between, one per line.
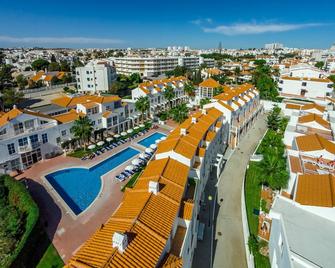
x=157, y=223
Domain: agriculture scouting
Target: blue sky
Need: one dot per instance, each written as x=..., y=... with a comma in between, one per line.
x=199, y=24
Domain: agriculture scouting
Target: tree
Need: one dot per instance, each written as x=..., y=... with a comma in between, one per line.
x=319, y=64
x=5, y=74
x=204, y=101
x=142, y=105
x=262, y=79
x=82, y=129
x=179, y=113
x=273, y=119
x=54, y=66
x=189, y=89
x=53, y=58
x=39, y=64
x=274, y=172
x=237, y=72
x=135, y=78
x=11, y=96
x=21, y=81
x=169, y=94
x=260, y=62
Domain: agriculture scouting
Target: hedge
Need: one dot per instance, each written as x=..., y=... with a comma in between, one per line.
x=19, y=197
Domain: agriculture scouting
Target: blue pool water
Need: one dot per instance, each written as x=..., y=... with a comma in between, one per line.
x=80, y=186
x=151, y=139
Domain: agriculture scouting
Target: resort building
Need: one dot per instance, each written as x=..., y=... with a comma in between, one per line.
x=305, y=81
x=207, y=89
x=95, y=77
x=154, y=66
x=241, y=106
x=154, y=90
x=29, y=136
x=156, y=224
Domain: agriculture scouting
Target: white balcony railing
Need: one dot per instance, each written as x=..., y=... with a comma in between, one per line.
x=28, y=148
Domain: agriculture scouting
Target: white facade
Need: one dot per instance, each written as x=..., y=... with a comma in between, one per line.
x=95, y=77
x=153, y=66
x=273, y=46
x=304, y=71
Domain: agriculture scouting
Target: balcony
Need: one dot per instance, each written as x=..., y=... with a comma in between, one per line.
x=28, y=148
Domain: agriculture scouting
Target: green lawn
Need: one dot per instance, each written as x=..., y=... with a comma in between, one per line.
x=50, y=259
x=79, y=153
x=252, y=200
x=131, y=182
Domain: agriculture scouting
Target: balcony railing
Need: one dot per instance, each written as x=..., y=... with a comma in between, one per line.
x=29, y=147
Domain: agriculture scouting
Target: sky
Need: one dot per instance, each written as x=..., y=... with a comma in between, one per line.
x=155, y=23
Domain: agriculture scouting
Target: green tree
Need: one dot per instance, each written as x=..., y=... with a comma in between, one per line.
x=11, y=96
x=273, y=119
x=262, y=79
x=260, y=62
x=54, y=66
x=179, y=113
x=65, y=66
x=189, y=89
x=21, y=81
x=142, y=105
x=218, y=90
x=204, y=101
x=319, y=64
x=82, y=130
x=40, y=64
x=169, y=94
x=5, y=74
x=237, y=72
x=135, y=78
x=53, y=58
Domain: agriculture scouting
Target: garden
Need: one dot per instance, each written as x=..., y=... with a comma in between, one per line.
x=271, y=171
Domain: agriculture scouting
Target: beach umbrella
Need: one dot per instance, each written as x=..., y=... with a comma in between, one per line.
x=130, y=167
x=130, y=131
x=109, y=139
x=90, y=147
x=116, y=136
x=100, y=143
x=136, y=128
x=148, y=150
x=163, y=138
x=136, y=161
x=153, y=146
x=123, y=133
x=142, y=125
x=157, y=141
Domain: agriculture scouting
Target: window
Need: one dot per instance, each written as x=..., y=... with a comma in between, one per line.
x=58, y=140
x=304, y=84
x=42, y=122
x=94, y=110
x=18, y=128
x=23, y=141
x=63, y=132
x=93, y=123
x=99, y=121
x=88, y=79
x=44, y=138
x=329, y=86
x=11, y=148
x=33, y=139
x=3, y=132
x=87, y=72
x=29, y=124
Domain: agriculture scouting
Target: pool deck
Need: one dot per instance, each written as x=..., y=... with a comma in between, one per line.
x=67, y=231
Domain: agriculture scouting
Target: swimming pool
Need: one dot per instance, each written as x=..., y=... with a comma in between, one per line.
x=151, y=139
x=80, y=186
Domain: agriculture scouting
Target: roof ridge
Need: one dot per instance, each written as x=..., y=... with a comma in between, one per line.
x=149, y=230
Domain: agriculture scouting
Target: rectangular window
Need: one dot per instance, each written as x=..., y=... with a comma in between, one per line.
x=63, y=132
x=23, y=141
x=304, y=84
x=99, y=121
x=44, y=138
x=11, y=148
x=33, y=138
x=18, y=128
x=3, y=132
x=29, y=124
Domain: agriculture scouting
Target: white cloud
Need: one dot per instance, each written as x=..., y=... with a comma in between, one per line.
x=257, y=28
x=59, y=40
x=202, y=21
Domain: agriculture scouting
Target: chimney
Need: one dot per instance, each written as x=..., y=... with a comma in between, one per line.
x=120, y=241
x=204, y=111
x=183, y=131
x=153, y=187
x=194, y=120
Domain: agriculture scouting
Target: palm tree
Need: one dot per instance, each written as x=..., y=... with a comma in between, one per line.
x=142, y=105
x=180, y=113
x=204, y=101
x=273, y=170
x=169, y=94
x=82, y=129
x=189, y=89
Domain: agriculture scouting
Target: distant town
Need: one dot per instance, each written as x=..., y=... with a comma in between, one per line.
x=167, y=157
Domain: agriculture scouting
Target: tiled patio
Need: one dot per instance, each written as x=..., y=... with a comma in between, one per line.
x=67, y=231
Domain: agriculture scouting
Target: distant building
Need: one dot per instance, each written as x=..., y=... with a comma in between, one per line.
x=274, y=46
x=154, y=66
x=95, y=77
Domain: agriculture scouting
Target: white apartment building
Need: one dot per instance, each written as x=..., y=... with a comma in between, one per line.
x=95, y=77
x=274, y=46
x=27, y=136
x=153, y=66
x=154, y=90
x=304, y=71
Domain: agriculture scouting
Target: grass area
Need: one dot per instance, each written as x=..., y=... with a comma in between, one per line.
x=131, y=182
x=252, y=200
x=50, y=259
x=79, y=153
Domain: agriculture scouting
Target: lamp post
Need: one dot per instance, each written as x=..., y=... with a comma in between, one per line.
x=209, y=215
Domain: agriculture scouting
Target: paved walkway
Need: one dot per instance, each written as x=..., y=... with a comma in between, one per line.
x=224, y=224
x=230, y=249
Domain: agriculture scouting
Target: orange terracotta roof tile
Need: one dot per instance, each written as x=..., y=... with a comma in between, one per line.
x=316, y=190
x=292, y=106
x=313, y=106
x=314, y=143
x=70, y=116
x=186, y=210
x=210, y=83
x=172, y=261
x=314, y=117
x=295, y=164
x=106, y=114
x=12, y=114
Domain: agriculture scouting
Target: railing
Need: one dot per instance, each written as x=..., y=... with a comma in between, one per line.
x=28, y=148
